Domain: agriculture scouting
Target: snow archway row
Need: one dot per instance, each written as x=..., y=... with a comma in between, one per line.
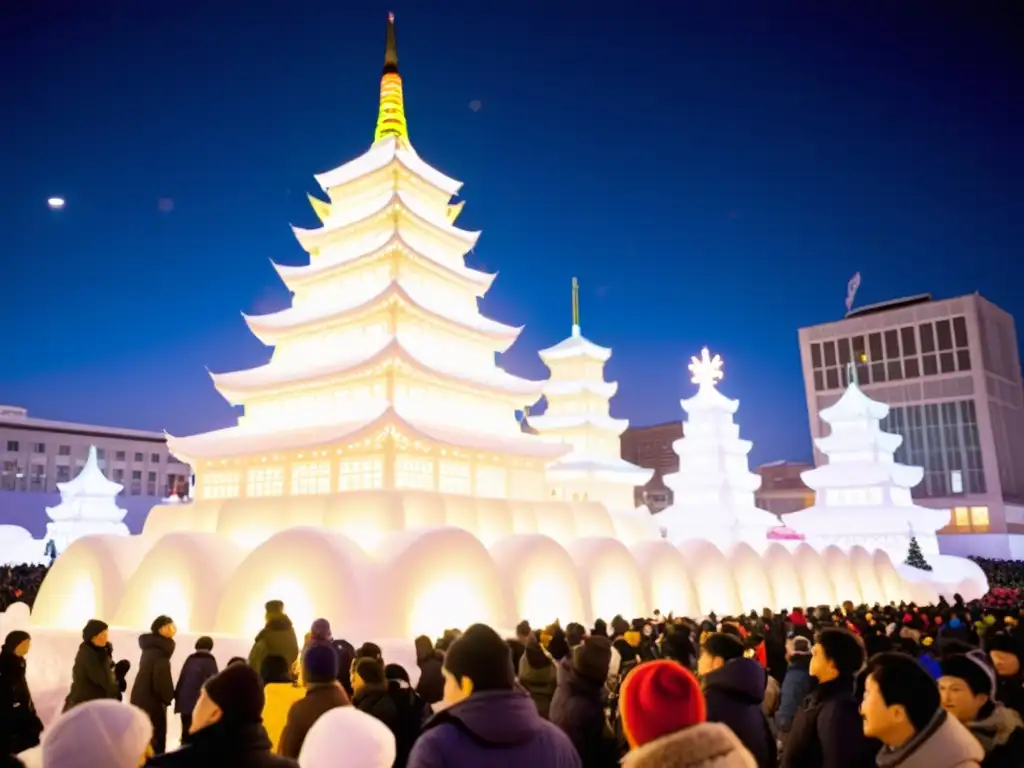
x=424, y=580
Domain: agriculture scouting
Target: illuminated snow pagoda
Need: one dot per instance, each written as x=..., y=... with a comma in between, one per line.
x=578, y=414
x=383, y=370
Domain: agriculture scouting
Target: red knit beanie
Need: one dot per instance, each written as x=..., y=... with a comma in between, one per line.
x=659, y=698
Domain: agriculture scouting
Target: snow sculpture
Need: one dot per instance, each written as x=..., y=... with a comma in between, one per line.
x=378, y=477
x=87, y=506
x=862, y=494
x=714, y=487
x=578, y=415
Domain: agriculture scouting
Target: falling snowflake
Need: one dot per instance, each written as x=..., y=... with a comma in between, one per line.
x=476, y=105
x=55, y=202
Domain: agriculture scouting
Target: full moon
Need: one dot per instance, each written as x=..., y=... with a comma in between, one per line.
x=55, y=202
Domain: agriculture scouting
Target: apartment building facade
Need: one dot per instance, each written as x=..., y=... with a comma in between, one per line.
x=36, y=454
x=950, y=372
x=651, y=448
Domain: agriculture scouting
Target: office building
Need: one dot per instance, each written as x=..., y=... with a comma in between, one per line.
x=36, y=454
x=950, y=372
x=782, y=489
x=651, y=448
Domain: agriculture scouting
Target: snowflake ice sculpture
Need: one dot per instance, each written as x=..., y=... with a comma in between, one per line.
x=706, y=370
x=714, y=487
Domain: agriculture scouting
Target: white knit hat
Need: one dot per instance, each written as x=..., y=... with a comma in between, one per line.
x=344, y=737
x=98, y=733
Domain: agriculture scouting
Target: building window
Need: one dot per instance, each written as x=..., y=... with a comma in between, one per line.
x=219, y=485
x=265, y=481
x=492, y=482
x=138, y=456
x=453, y=477
x=979, y=518
x=137, y=474
x=101, y=453
x=942, y=438
x=38, y=447
x=37, y=477
x=154, y=458
x=12, y=446
x=64, y=450
x=118, y=475
x=414, y=473
x=962, y=517
x=63, y=473
x=119, y=456
x=360, y=474
x=311, y=477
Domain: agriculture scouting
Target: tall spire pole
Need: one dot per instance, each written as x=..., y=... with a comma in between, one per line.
x=391, y=113
x=575, y=307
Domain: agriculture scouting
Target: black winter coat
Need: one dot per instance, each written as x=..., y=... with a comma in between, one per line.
x=400, y=708
x=197, y=669
x=431, y=683
x=153, y=690
x=92, y=676
x=578, y=709
x=828, y=731
x=225, y=745
x=19, y=724
x=734, y=694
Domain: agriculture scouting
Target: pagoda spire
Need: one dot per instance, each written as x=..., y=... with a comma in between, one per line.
x=575, y=307
x=391, y=113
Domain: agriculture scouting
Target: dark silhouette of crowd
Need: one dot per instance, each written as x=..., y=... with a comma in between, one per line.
x=20, y=584
x=937, y=686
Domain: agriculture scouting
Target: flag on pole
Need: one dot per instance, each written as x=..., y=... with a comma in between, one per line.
x=851, y=290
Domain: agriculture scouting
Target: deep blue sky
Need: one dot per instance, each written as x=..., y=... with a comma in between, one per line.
x=713, y=172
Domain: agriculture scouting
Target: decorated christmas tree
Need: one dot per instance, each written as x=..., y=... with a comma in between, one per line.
x=714, y=487
x=915, y=559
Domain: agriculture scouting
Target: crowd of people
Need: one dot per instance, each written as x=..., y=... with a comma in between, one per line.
x=20, y=584
x=898, y=685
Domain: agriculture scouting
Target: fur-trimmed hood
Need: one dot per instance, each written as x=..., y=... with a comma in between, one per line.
x=707, y=745
x=996, y=729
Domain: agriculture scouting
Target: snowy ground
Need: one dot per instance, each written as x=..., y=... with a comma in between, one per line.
x=53, y=652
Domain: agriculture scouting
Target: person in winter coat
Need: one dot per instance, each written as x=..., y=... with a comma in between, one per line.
x=197, y=669
x=393, y=702
x=153, y=690
x=827, y=731
x=92, y=676
x=486, y=720
x=280, y=692
x=323, y=693
x=901, y=708
x=578, y=704
x=967, y=690
x=100, y=732
x=431, y=683
x=796, y=685
x=20, y=726
x=277, y=638
x=227, y=727
x=1006, y=649
x=664, y=719
x=734, y=692
x=538, y=677
x=344, y=737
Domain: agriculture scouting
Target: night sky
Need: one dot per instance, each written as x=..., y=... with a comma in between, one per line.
x=713, y=172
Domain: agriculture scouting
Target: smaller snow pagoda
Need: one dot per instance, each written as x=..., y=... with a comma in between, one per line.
x=578, y=414
x=862, y=493
x=87, y=506
x=714, y=487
